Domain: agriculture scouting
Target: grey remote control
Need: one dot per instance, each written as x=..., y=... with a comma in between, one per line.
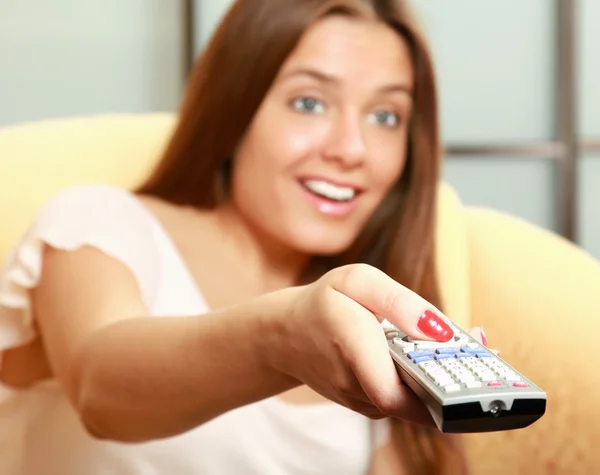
x=466, y=387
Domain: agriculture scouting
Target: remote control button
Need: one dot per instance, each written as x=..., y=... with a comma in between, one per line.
x=487, y=376
x=451, y=388
x=392, y=334
x=402, y=343
x=495, y=383
x=420, y=359
x=501, y=369
x=449, y=367
x=473, y=384
x=468, y=360
x=439, y=376
x=444, y=356
x=520, y=384
x=511, y=377
x=463, y=355
x=462, y=339
x=443, y=380
x=495, y=364
x=447, y=350
x=483, y=354
x=466, y=349
x=416, y=340
x=428, y=345
x=418, y=353
x=427, y=365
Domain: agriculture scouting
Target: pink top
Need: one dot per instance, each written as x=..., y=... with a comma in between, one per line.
x=40, y=433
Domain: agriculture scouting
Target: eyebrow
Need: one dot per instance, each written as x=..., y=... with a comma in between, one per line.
x=330, y=79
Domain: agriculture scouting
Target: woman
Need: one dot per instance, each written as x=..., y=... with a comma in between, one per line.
x=307, y=143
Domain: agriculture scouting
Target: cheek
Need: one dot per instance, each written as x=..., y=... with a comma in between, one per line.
x=267, y=158
x=276, y=142
x=388, y=167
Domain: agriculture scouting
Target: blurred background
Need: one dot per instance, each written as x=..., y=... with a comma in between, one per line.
x=519, y=82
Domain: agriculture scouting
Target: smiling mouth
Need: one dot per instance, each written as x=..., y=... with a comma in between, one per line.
x=329, y=191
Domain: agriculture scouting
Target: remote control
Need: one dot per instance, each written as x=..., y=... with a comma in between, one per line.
x=466, y=387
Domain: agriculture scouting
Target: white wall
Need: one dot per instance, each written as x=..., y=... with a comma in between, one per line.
x=66, y=57
x=207, y=14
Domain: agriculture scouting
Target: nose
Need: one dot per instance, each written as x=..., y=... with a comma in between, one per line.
x=345, y=142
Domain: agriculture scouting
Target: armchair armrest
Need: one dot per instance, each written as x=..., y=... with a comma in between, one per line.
x=538, y=297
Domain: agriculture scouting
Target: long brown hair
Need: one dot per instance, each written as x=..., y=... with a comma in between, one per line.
x=224, y=92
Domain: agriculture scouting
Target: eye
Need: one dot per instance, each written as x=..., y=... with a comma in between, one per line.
x=389, y=119
x=308, y=105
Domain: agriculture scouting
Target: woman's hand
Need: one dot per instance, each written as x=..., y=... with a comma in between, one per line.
x=331, y=339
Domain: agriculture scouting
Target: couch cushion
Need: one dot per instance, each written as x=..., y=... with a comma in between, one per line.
x=452, y=256
x=39, y=159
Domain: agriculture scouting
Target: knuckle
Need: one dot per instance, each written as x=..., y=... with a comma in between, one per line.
x=364, y=408
x=345, y=387
x=385, y=402
x=357, y=406
x=323, y=298
x=392, y=301
x=375, y=415
x=353, y=275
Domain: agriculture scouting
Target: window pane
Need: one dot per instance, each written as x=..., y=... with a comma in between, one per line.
x=589, y=204
x=589, y=67
x=208, y=14
x=495, y=65
x=523, y=188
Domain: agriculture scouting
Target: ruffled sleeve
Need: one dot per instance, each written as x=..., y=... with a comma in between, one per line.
x=109, y=219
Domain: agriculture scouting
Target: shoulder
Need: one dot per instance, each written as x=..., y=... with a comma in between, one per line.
x=104, y=218
x=97, y=215
x=108, y=220
x=87, y=204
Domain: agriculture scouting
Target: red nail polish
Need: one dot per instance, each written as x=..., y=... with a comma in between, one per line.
x=484, y=339
x=434, y=327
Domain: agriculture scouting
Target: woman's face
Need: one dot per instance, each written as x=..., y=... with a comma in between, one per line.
x=329, y=139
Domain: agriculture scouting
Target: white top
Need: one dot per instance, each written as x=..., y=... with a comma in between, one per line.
x=40, y=433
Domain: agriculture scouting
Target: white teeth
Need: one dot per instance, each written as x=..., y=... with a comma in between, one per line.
x=329, y=190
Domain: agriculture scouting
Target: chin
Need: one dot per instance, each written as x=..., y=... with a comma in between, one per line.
x=324, y=244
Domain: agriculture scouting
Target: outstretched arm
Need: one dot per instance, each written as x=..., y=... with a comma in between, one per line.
x=118, y=367
x=135, y=378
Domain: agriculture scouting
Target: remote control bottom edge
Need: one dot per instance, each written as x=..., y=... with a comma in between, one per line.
x=470, y=417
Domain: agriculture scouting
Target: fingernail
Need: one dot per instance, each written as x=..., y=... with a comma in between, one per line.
x=434, y=327
x=484, y=339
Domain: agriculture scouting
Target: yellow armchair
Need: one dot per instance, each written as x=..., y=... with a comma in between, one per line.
x=537, y=295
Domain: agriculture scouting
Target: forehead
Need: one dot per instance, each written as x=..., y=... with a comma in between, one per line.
x=354, y=50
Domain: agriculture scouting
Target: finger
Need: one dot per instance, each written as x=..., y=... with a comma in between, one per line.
x=387, y=299
x=479, y=334
x=476, y=333
x=365, y=408
x=419, y=413
x=366, y=351
x=360, y=403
